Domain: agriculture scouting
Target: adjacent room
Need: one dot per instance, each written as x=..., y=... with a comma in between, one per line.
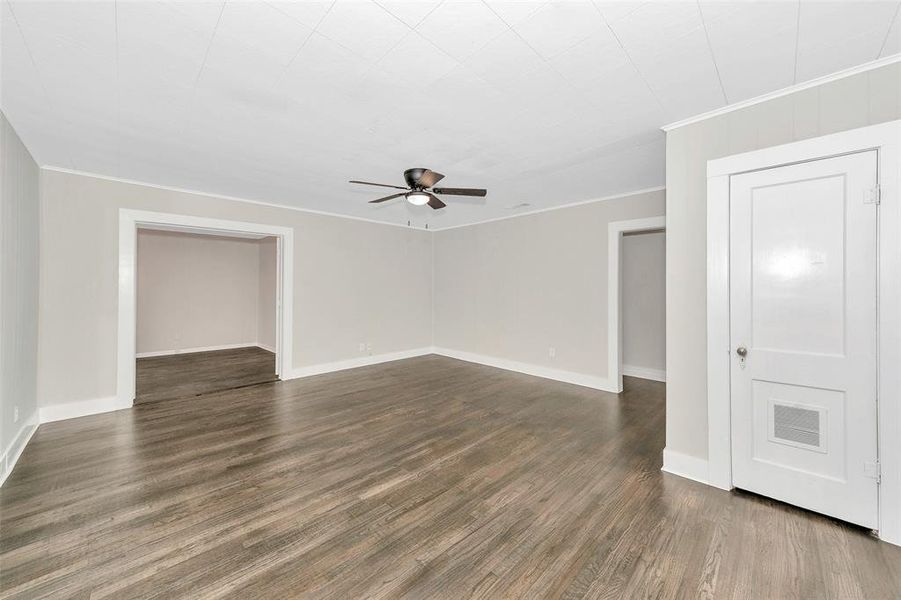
x=450, y=299
x=644, y=304
x=206, y=313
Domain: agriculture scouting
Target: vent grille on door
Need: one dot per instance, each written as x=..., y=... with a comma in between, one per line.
x=798, y=425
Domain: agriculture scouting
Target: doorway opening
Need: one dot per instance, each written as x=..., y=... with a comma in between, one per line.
x=206, y=308
x=272, y=349
x=644, y=304
x=638, y=245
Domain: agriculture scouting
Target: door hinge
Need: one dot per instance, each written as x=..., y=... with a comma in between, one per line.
x=872, y=195
x=873, y=470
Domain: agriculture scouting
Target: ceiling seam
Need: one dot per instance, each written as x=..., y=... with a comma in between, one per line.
x=629, y=58
x=891, y=24
x=541, y=57
x=516, y=33
x=401, y=21
x=313, y=31
x=37, y=71
x=716, y=67
x=209, y=45
x=397, y=42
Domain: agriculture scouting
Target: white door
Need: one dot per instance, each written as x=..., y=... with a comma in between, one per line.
x=803, y=328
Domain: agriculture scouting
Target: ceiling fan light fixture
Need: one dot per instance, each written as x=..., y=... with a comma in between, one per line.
x=417, y=198
x=419, y=190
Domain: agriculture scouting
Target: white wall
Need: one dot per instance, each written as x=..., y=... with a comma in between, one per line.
x=268, y=275
x=19, y=248
x=512, y=289
x=354, y=281
x=198, y=291
x=856, y=101
x=644, y=304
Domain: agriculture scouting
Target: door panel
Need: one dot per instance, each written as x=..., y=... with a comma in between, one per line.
x=803, y=305
x=797, y=295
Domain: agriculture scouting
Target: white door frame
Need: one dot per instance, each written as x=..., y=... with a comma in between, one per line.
x=885, y=138
x=615, y=231
x=132, y=220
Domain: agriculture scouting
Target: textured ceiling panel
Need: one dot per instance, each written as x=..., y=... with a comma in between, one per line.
x=543, y=103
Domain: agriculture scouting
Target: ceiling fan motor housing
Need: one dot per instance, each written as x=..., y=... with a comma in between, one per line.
x=411, y=176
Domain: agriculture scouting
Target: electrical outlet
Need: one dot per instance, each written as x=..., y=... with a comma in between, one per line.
x=369, y=347
x=15, y=414
x=362, y=347
x=552, y=352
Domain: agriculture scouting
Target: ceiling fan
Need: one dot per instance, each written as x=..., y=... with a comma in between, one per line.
x=419, y=189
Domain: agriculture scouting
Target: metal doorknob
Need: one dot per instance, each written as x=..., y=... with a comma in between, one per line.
x=741, y=351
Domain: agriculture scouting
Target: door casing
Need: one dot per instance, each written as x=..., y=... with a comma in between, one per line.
x=132, y=220
x=885, y=138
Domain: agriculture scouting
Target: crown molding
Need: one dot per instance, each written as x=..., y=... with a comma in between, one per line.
x=331, y=214
x=868, y=66
x=170, y=188
x=658, y=188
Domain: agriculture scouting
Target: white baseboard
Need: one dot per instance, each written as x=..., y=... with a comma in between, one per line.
x=591, y=381
x=353, y=363
x=644, y=373
x=200, y=349
x=12, y=452
x=71, y=410
x=266, y=347
x=685, y=465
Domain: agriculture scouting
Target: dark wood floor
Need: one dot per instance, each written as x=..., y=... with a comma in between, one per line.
x=423, y=478
x=196, y=373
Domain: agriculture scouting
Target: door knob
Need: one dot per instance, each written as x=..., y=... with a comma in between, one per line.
x=741, y=351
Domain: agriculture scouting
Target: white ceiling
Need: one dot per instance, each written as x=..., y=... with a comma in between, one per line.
x=543, y=103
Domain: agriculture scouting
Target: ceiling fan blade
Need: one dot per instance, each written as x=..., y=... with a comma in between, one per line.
x=460, y=191
x=391, y=197
x=435, y=203
x=429, y=178
x=396, y=187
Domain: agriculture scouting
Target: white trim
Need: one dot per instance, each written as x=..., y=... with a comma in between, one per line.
x=868, y=66
x=719, y=345
x=645, y=373
x=11, y=454
x=72, y=410
x=591, y=381
x=615, y=230
x=886, y=139
x=170, y=188
x=353, y=363
x=649, y=190
x=201, y=349
x=130, y=221
x=684, y=465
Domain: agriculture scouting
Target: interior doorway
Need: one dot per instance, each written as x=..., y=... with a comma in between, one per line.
x=132, y=221
x=644, y=304
x=206, y=307
x=616, y=232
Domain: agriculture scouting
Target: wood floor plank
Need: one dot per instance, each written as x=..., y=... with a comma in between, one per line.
x=422, y=478
x=196, y=373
